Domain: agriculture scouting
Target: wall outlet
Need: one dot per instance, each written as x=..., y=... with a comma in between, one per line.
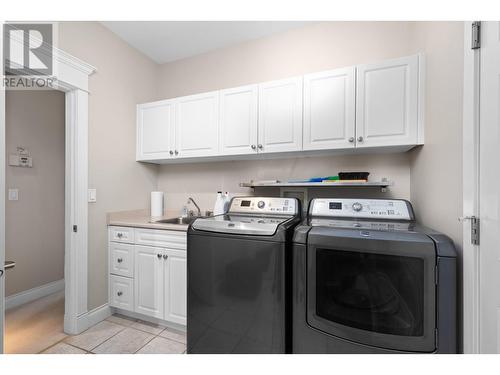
x=13, y=194
x=92, y=195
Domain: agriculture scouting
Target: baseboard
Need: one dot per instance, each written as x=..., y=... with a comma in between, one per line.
x=90, y=318
x=134, y=315
x=33, y=294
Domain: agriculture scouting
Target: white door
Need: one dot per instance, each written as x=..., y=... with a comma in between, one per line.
x=329, y=109
x=148, y=282
x=2, y=206
x=176, y=286
x=155, y=130
x=387, y=103
x=489, y=191
x=197, y=125
x=238, y=120
x=280, y=115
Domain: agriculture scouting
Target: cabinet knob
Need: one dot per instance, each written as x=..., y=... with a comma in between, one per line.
x=119, y=260
x=260, y=146
x=165, y=256
x=253, y=147
x=119, y=235
x=176, y=152
x=119, y=293
x=159, y=256
x=351, y=139
x=360, y=139
x=171, y=152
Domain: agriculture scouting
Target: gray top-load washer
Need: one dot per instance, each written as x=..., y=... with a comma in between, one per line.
x=239, y=278
x=369, y=279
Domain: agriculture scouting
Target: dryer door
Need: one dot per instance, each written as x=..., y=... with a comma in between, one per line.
x=373, y=287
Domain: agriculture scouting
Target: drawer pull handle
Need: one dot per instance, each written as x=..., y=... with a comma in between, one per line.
x=159, y=256
x=119, y=235
x=119, y=293
x=165, y=256
x=119, y=260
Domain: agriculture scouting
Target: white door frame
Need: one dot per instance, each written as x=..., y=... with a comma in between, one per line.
x=470, y=193
x=72, y=78
x=2, y=199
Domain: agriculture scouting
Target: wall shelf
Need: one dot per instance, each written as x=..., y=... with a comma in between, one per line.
x=383, y=184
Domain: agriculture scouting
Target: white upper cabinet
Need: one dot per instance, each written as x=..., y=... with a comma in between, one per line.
x=373, y=105
x=280, y=116
x=155, y=130
x=329, y=109
x=197, y=125
x=387, y=103
x=238, y=120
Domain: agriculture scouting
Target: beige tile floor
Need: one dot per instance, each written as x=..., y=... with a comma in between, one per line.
x=37, y=327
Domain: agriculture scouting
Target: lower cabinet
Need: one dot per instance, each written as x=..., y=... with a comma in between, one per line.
x=148, y=283
x=175, y=286
x=157, y=286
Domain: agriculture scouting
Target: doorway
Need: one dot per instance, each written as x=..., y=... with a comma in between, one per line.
x=34, y=221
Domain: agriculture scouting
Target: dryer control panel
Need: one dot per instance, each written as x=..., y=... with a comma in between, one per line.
x=386, y=209
x=264, y=206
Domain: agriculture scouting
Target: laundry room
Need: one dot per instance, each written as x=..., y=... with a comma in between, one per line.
x=234, y=186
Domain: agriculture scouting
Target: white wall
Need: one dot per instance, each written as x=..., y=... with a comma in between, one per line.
x=124, y=78
x=34, y=224
x=436, y=168
x=316, y=47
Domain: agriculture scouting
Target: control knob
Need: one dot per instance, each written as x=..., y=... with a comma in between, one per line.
x=357, y=206
x=261, y=204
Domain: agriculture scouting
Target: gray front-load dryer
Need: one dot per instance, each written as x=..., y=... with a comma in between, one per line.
x=368, y=279
x=239, y=278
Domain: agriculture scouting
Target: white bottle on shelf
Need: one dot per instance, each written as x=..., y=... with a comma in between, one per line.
x=219, y=204
x=227, y=201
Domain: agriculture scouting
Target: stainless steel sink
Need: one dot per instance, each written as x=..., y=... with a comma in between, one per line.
x=175, y=220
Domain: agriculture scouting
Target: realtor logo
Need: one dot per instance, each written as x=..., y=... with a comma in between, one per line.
x=28, y=55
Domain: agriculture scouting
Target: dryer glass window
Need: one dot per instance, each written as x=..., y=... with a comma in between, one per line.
x=374, y=292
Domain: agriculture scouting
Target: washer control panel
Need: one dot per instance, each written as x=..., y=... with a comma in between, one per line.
x=387, y=209
x=263, y=205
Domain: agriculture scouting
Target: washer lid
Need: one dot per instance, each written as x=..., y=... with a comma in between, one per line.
x=240, y=224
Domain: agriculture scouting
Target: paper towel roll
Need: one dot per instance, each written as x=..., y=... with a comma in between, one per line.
x=156, y=203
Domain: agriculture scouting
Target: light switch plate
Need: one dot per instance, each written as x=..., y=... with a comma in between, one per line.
x=92, y=195
x=13, y=194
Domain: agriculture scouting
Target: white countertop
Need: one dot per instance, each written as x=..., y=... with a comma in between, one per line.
x=141, y=219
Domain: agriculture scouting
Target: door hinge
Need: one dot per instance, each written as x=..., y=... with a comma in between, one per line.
x=476, y=35
x=75, y=228
x=474, y=230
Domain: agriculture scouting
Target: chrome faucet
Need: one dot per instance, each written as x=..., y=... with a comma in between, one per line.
x=197, y=207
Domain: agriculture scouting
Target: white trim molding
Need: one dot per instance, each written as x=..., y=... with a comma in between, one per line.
x=91, y=318
x=470, y=193
x=33, y=294
x=72, y=76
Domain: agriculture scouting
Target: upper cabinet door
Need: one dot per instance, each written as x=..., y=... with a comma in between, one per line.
x=280, y=115
x=197, y=125
x=155, y=130
x=387, y=103
x=238, y=120
x=329, y=109
x=148, y=288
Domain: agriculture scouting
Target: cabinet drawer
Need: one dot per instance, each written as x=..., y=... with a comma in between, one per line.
x=161, y=238
x=121, y=292
x=121, y=259
x=121, y=234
